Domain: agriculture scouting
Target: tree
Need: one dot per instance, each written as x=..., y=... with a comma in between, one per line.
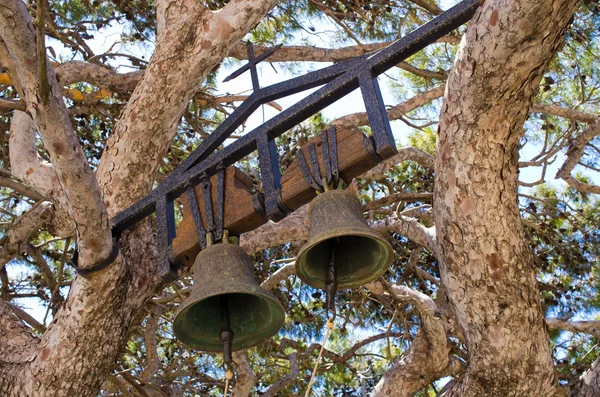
x=493, y=274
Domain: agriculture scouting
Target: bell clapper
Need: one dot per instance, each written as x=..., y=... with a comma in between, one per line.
x=226, y=338
x=330, y=291
x=331, y=282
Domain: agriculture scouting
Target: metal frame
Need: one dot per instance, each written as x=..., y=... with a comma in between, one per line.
x=337, y=81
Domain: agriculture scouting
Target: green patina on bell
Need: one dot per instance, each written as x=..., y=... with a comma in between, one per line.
x=361, y=254
x=223, y=276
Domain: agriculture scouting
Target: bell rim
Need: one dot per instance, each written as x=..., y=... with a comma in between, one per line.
x=272, y=299
x=350, y=231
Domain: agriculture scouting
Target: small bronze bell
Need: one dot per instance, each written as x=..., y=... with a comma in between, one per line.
x=339, y=231
x=226, y=292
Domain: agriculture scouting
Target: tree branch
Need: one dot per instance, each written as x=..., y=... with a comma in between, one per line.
x=22, y=228
x=409, y=228
x=52, y=119
x=589, y=383
x=428, y=356
x=281, y=274
x=29, y=167
x=404, y=154
x=395, y=112
x=574, y=154
x=18, y=342
x=564, y=112
x=292, y=228
x=20, y=188
x=23, y=315
x=320, y=54
x=285, y=381
x=245, y=377
x=586, y=327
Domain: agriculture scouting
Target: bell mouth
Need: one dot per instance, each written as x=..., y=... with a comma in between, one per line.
x=253, y=319
x=362, y=256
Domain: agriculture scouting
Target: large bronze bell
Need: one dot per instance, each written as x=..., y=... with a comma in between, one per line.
x=338, y=230
x=225, y=289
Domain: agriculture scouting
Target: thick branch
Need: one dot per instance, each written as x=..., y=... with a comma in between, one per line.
x=319, y=54
x=395, y=112
x=101, y=76
x=51, y=117
x=18, y=342
x=23, y=228
x=428, y=356
x=292, y=228
x=286, y=380
x=191, y=42
x=29, y=167
x=589, y=383
x=404, y=154
x=245, y=377
x=586, y=327
x=483, y=254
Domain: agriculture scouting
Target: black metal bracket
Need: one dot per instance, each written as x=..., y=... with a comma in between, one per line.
x=336, y=81
x=86, y=271
x=332, y=173
x=214, y=219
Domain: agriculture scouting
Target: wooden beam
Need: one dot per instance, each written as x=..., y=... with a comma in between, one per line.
x=240, y=216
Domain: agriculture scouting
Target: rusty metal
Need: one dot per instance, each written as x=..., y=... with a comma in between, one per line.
x=337, y=81
x=223, y=272
x=361, y=254
x=329, y=150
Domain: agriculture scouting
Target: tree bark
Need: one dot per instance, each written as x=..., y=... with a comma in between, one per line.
x=484, y=260
x=45, y=104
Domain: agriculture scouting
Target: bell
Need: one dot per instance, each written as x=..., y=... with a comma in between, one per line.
x=226, y=292
x=339, y=232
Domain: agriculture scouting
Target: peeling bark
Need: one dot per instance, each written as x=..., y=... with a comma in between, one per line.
x=484, y=260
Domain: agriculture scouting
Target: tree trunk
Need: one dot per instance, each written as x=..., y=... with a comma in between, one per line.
x=485, y=263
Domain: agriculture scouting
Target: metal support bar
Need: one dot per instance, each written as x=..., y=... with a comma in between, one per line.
x=307, y=174
x=329, y=139
x=208, y=209
x=329, y=150
x=314, y=161
x=219, y=216
x=165, y=225
x=200, y=232
x=252, y=62
x=385, y=146
x=339, y=80
x=270, y=176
